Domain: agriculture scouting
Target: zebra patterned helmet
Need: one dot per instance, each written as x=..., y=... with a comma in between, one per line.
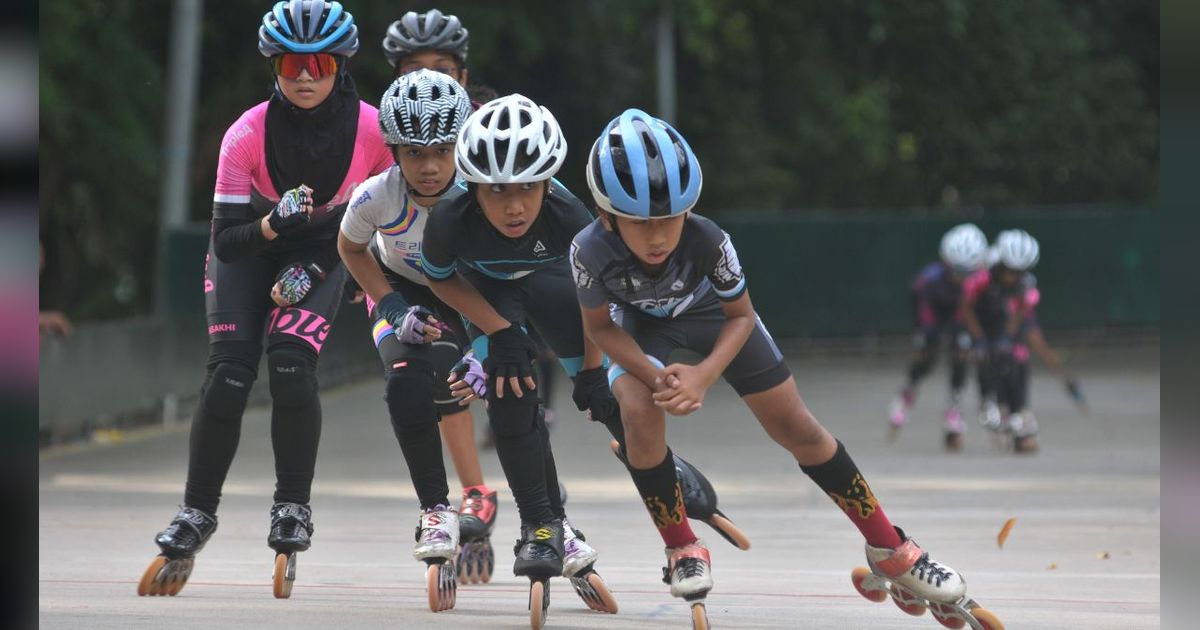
x=423, y=108
x=308, y=26
x=425, y=31
x=510, y=140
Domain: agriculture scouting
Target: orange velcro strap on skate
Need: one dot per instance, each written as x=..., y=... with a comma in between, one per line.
x=901, y=560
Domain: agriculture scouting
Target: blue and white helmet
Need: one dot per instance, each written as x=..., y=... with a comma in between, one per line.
x=1016, y=249
x=965, y=248
x=308, y=26
x=641, y=167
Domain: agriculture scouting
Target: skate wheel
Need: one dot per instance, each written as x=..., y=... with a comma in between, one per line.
x=947, y=616
x=465, y=569
x=987, y=619
x=594, y=592
x=699, y=616
x=729, y=531
x=177, y=575
x=538, y=603
x=284, y=575
x=486, y=564
x=913, y=609
x=441, y=586
x=149, y=582
x=165, y=576
x=858, y=576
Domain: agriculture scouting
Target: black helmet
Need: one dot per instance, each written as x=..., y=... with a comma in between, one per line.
x=425, y=31
x=307, y=26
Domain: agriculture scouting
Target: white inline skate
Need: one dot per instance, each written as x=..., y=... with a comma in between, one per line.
x=579, y=561
x=437, y=544
x=689, y=572
x=917, y=584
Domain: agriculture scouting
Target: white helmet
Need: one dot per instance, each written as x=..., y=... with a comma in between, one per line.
x=510, y=140
x=1016, y=249
x=423, y=108
x=964, y=247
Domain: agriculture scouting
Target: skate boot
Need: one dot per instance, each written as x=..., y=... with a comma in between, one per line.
x=477, y=517
x=437, y=541
x=689, y=572
x=179, y=543
x=917, y=583
x=989, y=416
x=1024, y=429
x=699, y=500
x=291, y=533
x=579, y=565
x=539, y=554
x=955, y=428
x=898, y=412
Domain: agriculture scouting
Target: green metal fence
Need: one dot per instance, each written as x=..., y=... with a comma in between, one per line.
x=848, y=273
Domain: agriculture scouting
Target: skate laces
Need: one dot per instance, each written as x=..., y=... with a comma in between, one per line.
x=930, y=571
x=690, y=562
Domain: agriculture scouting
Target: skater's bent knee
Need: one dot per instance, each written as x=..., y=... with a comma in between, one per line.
x=293, y=377
x=228, y=390
x=512, y=416
x=410, y=394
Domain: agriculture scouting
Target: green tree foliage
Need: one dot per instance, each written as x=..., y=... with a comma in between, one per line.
x=790, y=105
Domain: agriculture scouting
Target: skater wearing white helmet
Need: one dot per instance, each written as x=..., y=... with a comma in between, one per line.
x=936, y=293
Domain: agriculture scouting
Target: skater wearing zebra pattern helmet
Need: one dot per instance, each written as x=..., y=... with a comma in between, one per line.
x=418, y=337
x=652, y=277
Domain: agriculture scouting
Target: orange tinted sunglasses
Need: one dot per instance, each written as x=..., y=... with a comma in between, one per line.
x=318, y=65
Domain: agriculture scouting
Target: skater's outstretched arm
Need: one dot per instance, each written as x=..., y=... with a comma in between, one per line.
x=1037, y=343
x=687, y=384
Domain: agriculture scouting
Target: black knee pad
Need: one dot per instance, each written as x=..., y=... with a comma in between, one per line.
x=512, y=416
x=293, y=376
x=228, y=389
x=410, y=389
x=443, y=354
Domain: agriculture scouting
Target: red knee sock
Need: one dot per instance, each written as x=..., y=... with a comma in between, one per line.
x=840, y=479
x=659, y=487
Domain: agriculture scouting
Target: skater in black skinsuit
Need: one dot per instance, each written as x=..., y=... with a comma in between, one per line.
x=273, y=277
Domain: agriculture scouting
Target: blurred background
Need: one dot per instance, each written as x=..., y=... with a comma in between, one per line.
x=839, y=140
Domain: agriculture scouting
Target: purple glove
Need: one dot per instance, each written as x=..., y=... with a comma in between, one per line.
x=412, y=326
x=470, y=370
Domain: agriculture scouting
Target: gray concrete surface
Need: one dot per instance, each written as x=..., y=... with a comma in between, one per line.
x=1084, y=552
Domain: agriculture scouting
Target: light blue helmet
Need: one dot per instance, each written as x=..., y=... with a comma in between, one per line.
x=308, y=26
x=641, y=167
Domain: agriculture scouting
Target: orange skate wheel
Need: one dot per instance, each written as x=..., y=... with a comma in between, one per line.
x=729, y=531
x=699, y=616
x=954, y=623
x=537, y=603
x=914, y=609
x=439, y=588
x=987, y=619
x=857, y=576
x=149, y=583
x=284, y=575
x=596, y=594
